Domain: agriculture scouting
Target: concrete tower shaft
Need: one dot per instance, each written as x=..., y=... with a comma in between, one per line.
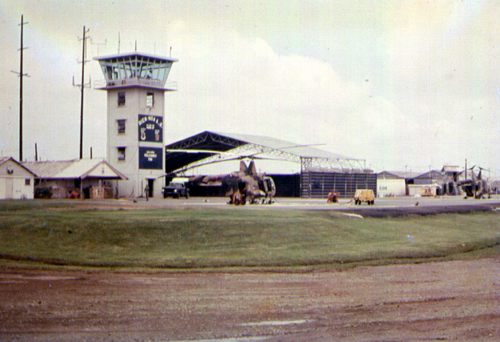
x=136, y=84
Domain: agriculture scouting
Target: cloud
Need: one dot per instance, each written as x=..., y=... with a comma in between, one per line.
x=241, y=84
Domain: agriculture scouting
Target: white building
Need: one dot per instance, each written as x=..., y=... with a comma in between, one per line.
x=391, y=187
x=95, y=178
x=16, y=181
x=392, y=183
x=136, y=85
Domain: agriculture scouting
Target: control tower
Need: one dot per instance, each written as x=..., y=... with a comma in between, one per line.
x=136, y=86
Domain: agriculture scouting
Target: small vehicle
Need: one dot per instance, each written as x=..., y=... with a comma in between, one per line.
x=364, y=195
x=333, y=197
x=426, y=192
x=176, y=190
x=43, y=192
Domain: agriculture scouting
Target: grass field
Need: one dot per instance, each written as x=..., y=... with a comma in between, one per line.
x=59, y=233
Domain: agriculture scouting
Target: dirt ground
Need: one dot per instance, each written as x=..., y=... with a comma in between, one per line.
x=457, y=300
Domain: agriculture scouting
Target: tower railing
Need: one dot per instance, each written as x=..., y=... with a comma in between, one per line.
x=135, y=81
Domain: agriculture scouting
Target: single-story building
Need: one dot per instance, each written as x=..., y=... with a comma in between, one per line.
x=70, y=179
x=16, y=181
x=393, y=183
x=422, y=190
x=427, y=184
x=390, y=184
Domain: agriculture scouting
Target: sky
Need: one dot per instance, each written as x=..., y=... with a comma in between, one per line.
x=404, y=85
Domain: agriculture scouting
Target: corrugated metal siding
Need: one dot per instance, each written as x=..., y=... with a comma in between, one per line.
x=319, y=184
x=309, y=185
x=205, y=191
x=287, y=185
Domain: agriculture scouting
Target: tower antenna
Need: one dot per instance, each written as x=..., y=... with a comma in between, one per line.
x=82, y=85
x=20, y=74
x=103, y=44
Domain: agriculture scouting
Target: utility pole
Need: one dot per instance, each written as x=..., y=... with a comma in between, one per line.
x=82, y=86
x=20, y=74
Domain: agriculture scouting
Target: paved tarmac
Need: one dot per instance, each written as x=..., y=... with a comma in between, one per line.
x=389, y=206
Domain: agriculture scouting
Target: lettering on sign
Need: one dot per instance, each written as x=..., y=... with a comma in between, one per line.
x=150, y=155
x=150, y=158
x=150, y=128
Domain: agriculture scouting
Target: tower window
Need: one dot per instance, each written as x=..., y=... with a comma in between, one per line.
x=121, y=98
x=150, y=100
x=121, y=126
x=121, y=153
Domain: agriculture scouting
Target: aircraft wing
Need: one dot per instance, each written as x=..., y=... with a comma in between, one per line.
x=210, y=180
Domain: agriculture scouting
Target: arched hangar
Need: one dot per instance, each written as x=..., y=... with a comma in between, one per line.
x=320, y=171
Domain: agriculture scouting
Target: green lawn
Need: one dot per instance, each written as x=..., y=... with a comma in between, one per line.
x=185, y=238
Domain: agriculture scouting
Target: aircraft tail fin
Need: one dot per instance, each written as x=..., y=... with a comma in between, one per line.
x=243, y=166
x=252, y=170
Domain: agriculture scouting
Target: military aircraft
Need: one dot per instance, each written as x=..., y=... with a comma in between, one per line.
x=245, y=185
x=476, y=186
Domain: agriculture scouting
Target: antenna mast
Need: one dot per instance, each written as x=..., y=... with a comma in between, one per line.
x=82, y=85
x=20, y=74
x=103, y=44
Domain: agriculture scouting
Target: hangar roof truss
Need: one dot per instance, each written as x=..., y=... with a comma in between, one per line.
x=251, y=146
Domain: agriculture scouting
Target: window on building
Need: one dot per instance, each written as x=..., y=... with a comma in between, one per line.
x=121, y=153
x=121, y=126
x=150, y=100
x=121, y=98
x=27, y=181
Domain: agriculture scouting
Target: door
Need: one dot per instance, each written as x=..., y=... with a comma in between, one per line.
x=9, y=188
x=151, y=183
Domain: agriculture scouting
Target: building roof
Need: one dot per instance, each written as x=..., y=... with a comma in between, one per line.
x=405, y=174
x=451, y=168
x=134, y=54
x=398, y=174
x=429, y=175
x=6, y=159
x=211, y=143
x=75, y=169
x=290, y=147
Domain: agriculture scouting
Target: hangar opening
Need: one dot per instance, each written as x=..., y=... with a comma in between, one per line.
x=319, y=172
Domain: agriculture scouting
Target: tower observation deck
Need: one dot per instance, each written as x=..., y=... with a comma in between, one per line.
x=135, y=70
